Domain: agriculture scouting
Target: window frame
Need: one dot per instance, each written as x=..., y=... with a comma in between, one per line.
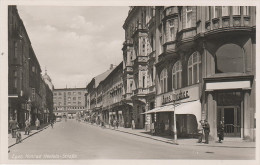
x=188, y=12
x=164, y=81
x=177, y=73
x=194, y=65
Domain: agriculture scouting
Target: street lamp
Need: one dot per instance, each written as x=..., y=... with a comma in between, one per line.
x=29, y=108
x=174, y=118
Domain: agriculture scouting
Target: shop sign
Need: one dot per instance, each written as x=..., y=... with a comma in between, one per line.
x=180, y=95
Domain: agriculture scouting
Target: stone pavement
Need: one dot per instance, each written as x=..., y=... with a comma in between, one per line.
x=228, y=142
x=12, y=141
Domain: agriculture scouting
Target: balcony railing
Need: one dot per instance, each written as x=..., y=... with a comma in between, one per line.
x=141, y=59
x=141, y=91
x=227, y=21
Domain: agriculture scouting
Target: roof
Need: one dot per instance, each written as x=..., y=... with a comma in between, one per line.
x=102, y=76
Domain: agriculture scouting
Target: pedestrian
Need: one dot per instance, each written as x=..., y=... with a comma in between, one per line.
x=51, y=123
x=117, y=124
x=200, y=131
x=114, y=123
x=206, y=128
x=133, y=124
x=27, y=127
x=221, y=128
x=18, y=135
x=13, y=127
x=37, y=123
x=152, y=129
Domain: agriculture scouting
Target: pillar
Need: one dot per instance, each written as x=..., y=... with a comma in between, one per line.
x=247, y=114
x=212, y=115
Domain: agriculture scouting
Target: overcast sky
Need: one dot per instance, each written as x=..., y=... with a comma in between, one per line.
x=75, y=43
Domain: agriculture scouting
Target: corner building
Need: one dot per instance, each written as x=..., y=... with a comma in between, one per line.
x=203, y=57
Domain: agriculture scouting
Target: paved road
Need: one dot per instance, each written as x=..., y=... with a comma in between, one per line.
x=74, y=140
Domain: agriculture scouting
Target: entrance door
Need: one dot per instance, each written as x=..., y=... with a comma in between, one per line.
x=230, y=115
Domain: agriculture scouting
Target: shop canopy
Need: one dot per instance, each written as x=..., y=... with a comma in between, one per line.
x=193, y=107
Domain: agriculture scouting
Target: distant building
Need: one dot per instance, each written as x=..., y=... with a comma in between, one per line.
x=47, y=80
x=69, y=101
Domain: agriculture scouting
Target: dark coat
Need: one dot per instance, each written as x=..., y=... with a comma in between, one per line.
x=206, y=128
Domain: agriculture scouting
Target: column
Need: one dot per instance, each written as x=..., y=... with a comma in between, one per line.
x=211, y=113
x=246, y=122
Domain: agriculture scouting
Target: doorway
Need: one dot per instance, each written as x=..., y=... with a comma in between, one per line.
x=231, y=116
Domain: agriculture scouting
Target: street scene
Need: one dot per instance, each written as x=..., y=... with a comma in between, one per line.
x=131, y=82
x=72, y=139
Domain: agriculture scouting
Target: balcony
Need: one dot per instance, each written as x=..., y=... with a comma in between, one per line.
x=128, y=69
x=152, y=89
x=140, y=91
x=227, y=22
x=141, y=59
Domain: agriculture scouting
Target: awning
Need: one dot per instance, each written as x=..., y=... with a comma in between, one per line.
x=193, y=107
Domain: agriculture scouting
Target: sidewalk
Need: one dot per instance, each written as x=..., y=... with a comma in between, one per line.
x=228, y=142
x=12, y=141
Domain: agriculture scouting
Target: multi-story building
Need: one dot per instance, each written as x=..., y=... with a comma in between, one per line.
x=24, y=72
x=201, y=60
x=111, y=98
x=94, y=95
x=69, y=101
x=139, y=62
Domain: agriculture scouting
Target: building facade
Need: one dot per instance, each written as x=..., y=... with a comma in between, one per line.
x=195, y=61
x=69, y=101
x=26, y=89
x=94, y=96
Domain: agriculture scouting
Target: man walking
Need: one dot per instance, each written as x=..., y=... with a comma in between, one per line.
x=37, y=123
x=206, y=128
x=200, y=132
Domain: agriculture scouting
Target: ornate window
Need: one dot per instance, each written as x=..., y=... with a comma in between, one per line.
x=230, y=58
x=194, y=68
x=176, y=75
x=170, y=36
x=163, y=81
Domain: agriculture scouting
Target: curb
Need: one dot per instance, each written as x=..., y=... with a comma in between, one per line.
x=30, y=135
x=139, y=135
x=169, y=142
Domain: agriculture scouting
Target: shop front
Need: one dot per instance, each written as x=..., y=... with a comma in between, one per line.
x=231, y=102
x=185, y=104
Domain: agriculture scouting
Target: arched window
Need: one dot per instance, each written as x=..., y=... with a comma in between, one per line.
x=163, y=81
x=230, y=58
x=194, y=68
x=176, y=75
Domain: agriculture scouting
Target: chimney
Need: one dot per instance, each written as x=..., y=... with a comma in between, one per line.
x=111, y=66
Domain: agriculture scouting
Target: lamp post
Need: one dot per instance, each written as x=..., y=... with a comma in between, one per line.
x=174, y=118
x=29, y=108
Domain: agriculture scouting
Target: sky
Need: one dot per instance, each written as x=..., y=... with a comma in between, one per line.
x=74, y=43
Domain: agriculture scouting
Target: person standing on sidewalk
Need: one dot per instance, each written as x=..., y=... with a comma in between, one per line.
x=27, y=127
x=37, y=123
x=13, y=126
x=117, y=124
x=114, y=123
x=206, y=128
x=133, y=124
x=200, y=132
x=221, y=128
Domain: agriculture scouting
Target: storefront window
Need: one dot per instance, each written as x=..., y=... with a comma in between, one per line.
x=230, y=58
x=216, y=11
x=194, y=68
x=225, y=11
x=176, y=75
x=163, y=81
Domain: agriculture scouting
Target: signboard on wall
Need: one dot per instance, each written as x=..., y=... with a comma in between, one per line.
x=190, y=93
